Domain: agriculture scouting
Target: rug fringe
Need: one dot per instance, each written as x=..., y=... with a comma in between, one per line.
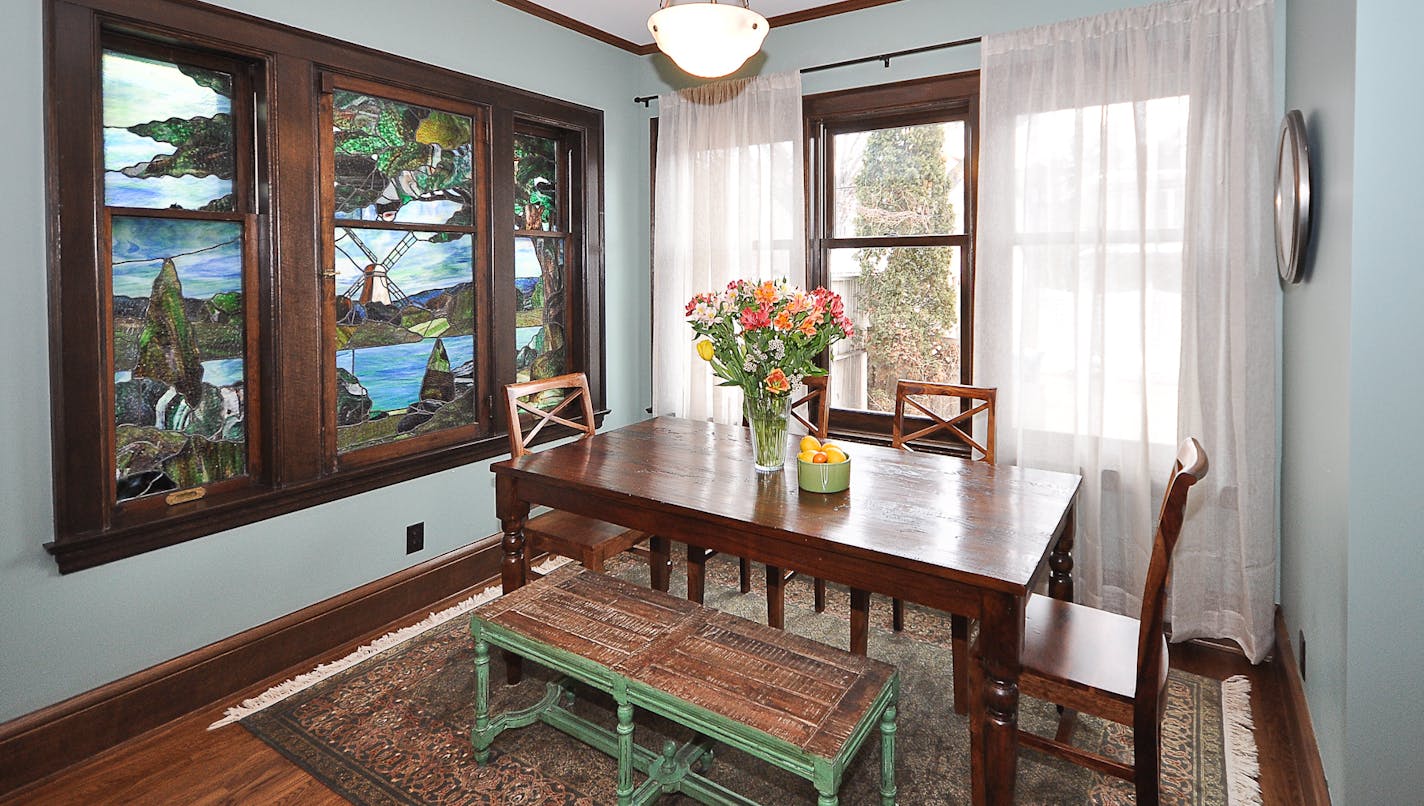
x=301, y=682
x=1243, y=786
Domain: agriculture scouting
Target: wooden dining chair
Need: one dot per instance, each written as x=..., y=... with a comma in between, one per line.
x=1111, y=666
x=916, y=398
x=817, y=422
x=591, y=542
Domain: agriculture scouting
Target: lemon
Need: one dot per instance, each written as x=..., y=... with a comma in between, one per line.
x=834, y=454
x=810, y=443
x=805, y=456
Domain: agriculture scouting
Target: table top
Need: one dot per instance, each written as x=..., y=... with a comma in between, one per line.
x=990, y=526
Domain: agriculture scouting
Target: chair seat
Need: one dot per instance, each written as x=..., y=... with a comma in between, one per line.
x=588, y=540
x=1081, y=657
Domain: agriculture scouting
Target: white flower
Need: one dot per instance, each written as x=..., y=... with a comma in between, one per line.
x=704, y=313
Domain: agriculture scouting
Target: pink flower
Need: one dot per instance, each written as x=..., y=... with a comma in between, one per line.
x=755, y=318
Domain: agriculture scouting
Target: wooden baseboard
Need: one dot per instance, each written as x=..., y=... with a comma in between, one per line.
x=53, y=738
x=1310, y=773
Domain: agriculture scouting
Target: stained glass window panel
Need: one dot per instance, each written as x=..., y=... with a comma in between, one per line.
x=541, y=311
x=168, y=134
x=179, y=360
x=401, y=162
x=536, y=182
x=405, y=323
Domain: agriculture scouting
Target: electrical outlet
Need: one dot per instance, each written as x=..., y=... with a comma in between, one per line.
x=414, y=537
x=1302, y=655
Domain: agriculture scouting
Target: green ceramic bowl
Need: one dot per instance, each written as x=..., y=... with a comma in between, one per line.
x=825, y=478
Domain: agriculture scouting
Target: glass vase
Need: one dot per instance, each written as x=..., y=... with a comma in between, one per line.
x=767, y=416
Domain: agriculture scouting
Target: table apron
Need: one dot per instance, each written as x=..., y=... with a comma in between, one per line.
x=739, y=539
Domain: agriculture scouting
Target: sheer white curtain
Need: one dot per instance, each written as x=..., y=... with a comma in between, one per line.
x=730, y=204
x=1125, y=290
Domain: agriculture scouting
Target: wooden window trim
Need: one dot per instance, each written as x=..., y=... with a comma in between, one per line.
x=905, y=103
x=286, y=64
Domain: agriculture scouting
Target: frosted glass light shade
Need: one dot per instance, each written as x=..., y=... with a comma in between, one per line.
x=708, y=40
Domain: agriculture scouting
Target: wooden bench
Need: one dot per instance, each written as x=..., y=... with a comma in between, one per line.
x=795, y=703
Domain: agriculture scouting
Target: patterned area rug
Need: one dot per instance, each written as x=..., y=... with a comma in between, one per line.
x=394, y=727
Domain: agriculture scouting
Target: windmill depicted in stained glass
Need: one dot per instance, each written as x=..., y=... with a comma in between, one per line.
x=375, y=283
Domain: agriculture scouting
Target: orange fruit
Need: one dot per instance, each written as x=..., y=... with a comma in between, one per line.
x=810, y=443
x=834, y=454
x=820, y=458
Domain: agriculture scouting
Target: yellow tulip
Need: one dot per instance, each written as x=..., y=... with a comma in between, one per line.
x=704, y=349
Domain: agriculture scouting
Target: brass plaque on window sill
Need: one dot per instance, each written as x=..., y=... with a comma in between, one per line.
x=184, y=496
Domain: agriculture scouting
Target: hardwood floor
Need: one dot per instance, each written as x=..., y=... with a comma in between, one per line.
x=181, y=762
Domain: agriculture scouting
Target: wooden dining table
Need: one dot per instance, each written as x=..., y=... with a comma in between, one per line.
x=964, y=537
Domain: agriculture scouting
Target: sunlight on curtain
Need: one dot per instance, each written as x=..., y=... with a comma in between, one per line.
x=1112, y=278
x=730, y=204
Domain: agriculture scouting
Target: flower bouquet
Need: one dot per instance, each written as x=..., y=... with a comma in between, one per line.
x=765, y=337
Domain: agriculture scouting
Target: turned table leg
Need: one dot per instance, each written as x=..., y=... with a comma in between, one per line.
x=512, y=513
x=994, y=711
x=1060, y=561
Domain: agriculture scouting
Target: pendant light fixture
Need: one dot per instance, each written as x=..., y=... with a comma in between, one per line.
x=708, y=39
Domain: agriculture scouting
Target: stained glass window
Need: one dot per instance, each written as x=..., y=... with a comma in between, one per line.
x=540, y=319
x=405, y=349
x=536, y=182
x=168, y=134
x=179, y=392
x=404, y=298
x=194, y=380
x=541, y=253
x=176, y=274
x=400, y=162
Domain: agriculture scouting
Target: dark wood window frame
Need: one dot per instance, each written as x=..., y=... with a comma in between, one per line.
x=936, y=99
x=290, y=470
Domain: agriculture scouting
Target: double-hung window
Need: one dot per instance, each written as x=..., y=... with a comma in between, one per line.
x=892, y=194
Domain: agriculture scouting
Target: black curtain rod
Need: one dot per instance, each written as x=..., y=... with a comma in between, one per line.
x=884, y=58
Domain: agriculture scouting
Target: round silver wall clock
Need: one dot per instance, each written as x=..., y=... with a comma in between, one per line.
x=1292, y=197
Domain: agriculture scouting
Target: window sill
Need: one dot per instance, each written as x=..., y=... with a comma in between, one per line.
x=196, y=519
x=199, y=518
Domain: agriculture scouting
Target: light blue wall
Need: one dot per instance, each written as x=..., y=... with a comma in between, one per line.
x=1316, y=347
x=60, y=636
x=1384, y=722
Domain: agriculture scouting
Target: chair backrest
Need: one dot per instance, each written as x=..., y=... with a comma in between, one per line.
x=575, y=388
x=817, y=401
x=959, y=425
x=1189, y=468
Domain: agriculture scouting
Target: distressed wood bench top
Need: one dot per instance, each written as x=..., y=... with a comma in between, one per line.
x=802, y=692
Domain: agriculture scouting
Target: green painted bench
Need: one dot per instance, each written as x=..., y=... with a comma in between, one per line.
x=795, y=703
